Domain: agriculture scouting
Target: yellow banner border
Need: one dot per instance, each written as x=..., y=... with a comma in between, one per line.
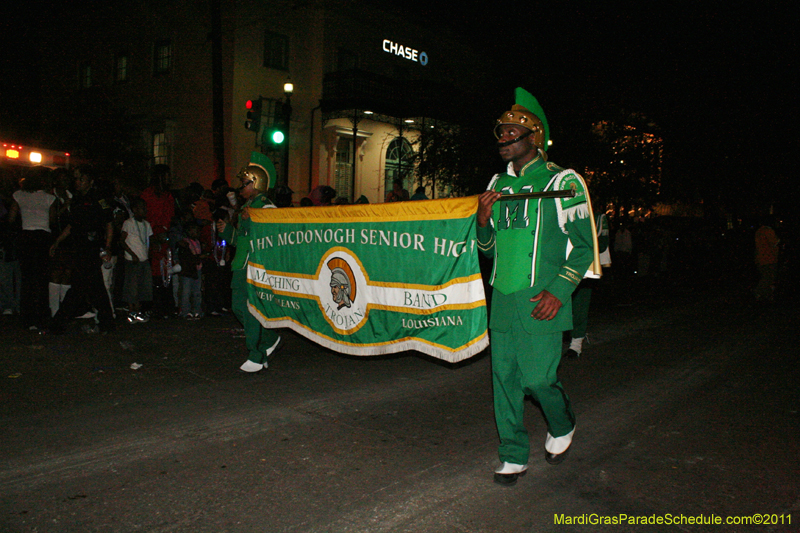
x=442, y=209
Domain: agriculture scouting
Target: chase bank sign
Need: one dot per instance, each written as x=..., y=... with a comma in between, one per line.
x=405, y=52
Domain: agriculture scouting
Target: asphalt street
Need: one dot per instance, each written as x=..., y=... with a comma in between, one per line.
x=687, y=406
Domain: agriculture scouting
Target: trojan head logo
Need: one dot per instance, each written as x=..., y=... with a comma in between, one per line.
x=343, y=283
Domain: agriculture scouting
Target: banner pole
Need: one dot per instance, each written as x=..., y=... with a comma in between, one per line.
x=568, y=193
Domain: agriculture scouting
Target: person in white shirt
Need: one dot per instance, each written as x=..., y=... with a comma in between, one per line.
x=138, y=284
x=37, y=209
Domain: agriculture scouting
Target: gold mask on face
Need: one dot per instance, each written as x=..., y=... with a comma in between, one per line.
x=254, y=173
x=519, y=115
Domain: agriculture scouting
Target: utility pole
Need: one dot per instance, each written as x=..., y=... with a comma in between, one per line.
x=217, y=97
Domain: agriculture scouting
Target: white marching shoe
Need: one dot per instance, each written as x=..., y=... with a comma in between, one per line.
x=556, y=448
x=508, y=473
x=250, y=366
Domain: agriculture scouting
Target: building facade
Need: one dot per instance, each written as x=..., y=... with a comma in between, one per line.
x=174, y=76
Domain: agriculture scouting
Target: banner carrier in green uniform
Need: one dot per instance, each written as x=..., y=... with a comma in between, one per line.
x=256, y=178
x=542, y=248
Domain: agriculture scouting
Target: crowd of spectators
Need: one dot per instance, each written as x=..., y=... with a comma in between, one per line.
x=78, y=244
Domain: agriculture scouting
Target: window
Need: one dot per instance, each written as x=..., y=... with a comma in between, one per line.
x=160, y=149
x=399, y=164
x=85, y=75
x=276, y=51
x=343, y=181
x=120, y=68
x=162, y=57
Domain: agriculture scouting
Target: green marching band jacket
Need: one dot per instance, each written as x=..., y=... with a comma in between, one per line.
x=538, y=244
x=240, y=236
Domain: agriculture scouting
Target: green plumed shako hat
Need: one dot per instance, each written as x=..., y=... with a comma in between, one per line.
x=260, y=170
x=527, y=112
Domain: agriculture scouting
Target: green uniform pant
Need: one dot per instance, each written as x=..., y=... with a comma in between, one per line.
x=524, y=364
x=257, y=337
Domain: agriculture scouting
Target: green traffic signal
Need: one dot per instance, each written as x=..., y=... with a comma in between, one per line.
x=273, y=136
x=279, y=128
x=275, y=133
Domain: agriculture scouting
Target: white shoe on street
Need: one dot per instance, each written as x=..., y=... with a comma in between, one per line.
x=558, y=445
x=250, y=366
x=508, y=473
x=556, y=448
x=511, y=468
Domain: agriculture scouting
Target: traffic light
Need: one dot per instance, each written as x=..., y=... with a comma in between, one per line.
x=276, y=134
x=253, y=122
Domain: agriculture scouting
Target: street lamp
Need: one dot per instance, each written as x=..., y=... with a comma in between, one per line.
x=288, y=89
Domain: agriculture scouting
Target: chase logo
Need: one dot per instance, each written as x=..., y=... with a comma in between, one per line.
x=405, y=52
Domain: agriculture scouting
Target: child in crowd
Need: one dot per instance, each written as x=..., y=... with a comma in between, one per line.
x=177, y=233
x=135, y=238
x=217, y=268
x=191, y=255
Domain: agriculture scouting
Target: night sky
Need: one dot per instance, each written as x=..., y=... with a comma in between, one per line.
x=720, y=80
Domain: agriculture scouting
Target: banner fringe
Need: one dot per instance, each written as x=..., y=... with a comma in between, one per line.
x=471, y=349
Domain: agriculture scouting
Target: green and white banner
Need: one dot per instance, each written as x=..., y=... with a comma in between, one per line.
x=372, y=279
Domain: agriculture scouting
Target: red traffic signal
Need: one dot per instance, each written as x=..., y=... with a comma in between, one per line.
x=253, y=121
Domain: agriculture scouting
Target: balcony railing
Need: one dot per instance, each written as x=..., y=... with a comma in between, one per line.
x=358, y=89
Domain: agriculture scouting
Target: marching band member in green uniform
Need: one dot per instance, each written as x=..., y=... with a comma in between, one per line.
x=583, y=294
x=542, y=248
x=256, y=179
